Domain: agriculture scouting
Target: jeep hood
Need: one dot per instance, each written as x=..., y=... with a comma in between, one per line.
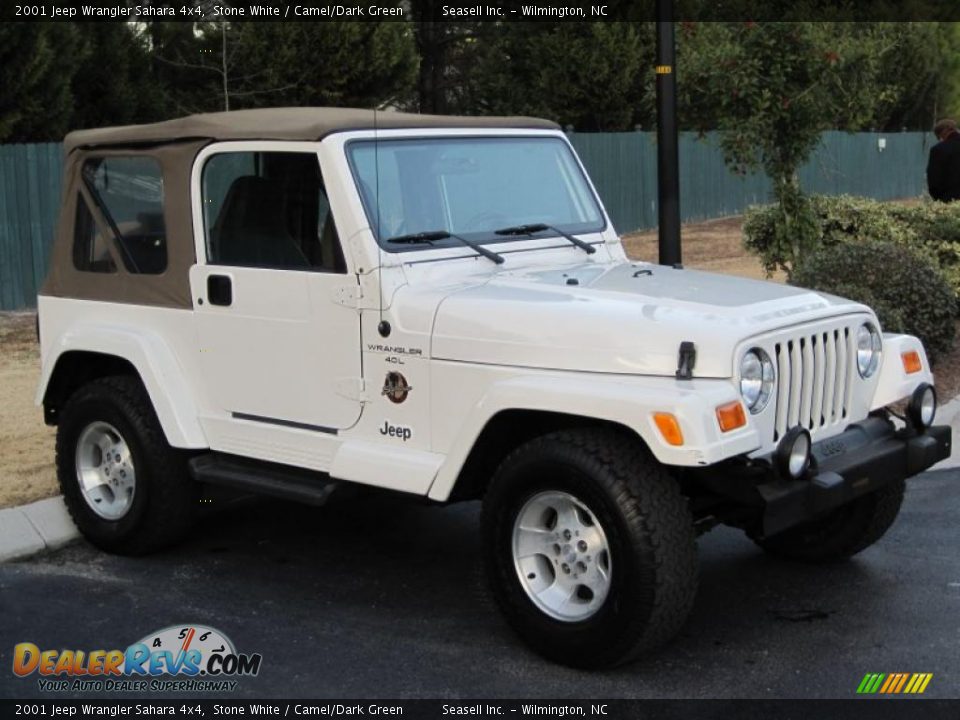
x=621, y=318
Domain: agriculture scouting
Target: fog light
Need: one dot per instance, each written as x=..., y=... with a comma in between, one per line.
x=792, y=456
x=923, y=406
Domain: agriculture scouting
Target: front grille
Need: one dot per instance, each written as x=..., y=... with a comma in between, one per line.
x=814, y=380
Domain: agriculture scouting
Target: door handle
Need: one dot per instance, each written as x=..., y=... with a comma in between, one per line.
x=220, y=290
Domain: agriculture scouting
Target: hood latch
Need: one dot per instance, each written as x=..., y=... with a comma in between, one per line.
x=686, y=361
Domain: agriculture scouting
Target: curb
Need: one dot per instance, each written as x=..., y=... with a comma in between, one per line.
x=949, y=414
x=950, y=411
x=29, y=529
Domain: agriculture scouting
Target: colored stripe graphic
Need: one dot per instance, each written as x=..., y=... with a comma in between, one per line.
x=900, y=684
x=912, y=684
x=870, y=683
x=894, y=683
x=891, y=681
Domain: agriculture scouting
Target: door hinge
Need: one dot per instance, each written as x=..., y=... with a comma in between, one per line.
x=352, y=388
x=347, y=295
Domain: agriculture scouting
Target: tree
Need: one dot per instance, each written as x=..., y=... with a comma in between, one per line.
x=921, y=74
x=326, y=63
x=175, y=48
x=772, y=89
x=37, y=63
x=114, y=83
x=210, y=56
x=446, y=50
x=593, y=76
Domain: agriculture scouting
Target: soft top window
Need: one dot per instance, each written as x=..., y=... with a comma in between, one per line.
x=128, y=192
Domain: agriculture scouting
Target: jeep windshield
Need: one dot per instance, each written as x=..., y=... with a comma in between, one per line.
x=471, y=187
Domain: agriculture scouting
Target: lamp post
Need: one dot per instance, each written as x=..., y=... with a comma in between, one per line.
x=668, y=171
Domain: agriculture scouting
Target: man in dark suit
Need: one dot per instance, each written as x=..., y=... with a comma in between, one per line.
x=943, y=168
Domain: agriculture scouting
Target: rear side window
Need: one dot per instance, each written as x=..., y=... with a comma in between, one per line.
x=128, y=192
x=91, y=248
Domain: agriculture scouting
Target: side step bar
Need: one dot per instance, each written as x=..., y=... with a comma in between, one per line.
x=262, y=478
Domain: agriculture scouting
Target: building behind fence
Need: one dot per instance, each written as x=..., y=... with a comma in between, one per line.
x=623, y=167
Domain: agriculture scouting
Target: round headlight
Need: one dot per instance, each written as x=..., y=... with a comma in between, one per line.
x=757, y=378
x=869, y=345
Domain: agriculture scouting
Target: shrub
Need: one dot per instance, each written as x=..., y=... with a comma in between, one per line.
x=781, y=234
x=838, y=219
x=908, y=293
x=846, y=218
x=932, y=229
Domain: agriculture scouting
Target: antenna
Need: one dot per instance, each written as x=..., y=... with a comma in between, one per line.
x=383, y=327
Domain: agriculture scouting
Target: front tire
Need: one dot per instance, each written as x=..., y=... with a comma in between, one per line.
x=844, y=532
x=126, y=489
x=589, y=547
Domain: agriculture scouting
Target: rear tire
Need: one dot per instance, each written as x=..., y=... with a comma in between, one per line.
x=126, y=489
x=611, y=482
x=844, y=532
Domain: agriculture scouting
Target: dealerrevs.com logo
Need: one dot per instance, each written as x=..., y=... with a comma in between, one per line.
x=181, y=658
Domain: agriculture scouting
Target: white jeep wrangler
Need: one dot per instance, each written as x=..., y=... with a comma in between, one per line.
x=280, y=300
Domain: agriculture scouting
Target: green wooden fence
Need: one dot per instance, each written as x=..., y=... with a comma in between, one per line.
x=623, y=167
x=29, y=202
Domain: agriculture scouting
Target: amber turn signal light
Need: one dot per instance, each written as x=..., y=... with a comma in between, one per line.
x=669, y=427
x=911, y=362
x=731, y=416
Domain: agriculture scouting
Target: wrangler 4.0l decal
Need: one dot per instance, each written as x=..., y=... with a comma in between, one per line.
x=374, y=347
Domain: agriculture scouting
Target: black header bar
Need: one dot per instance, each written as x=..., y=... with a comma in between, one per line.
x=473, y=10
x=872, y=709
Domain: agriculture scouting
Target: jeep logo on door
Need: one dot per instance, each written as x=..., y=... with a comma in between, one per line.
x=395, y=387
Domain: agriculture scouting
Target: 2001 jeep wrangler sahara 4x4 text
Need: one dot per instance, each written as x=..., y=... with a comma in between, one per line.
x=273, y=300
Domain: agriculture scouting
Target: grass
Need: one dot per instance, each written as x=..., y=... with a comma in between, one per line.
x=26, y=444
x=714, y=245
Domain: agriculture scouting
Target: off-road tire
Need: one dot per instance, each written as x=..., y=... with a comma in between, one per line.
x=844, y=532
x=650, y=533
x=166, y=498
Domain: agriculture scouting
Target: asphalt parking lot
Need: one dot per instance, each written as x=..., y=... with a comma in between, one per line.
x=369, y=597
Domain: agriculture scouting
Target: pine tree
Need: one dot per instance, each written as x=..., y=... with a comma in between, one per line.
x=359, y=64
x=37, y=63
x=114, y=84
x=593, y=76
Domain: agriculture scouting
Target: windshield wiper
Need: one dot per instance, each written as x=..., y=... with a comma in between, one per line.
x=428, y=238
x=540, y=227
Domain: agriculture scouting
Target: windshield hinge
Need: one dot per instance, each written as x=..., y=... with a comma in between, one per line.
x=352, y=388
x=347, y=295
x=686, y=361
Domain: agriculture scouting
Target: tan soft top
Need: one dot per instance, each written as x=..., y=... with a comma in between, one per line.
x=174, y=144
x=294, y=123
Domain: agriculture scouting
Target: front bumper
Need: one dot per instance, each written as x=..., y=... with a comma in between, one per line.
x=865, y=457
